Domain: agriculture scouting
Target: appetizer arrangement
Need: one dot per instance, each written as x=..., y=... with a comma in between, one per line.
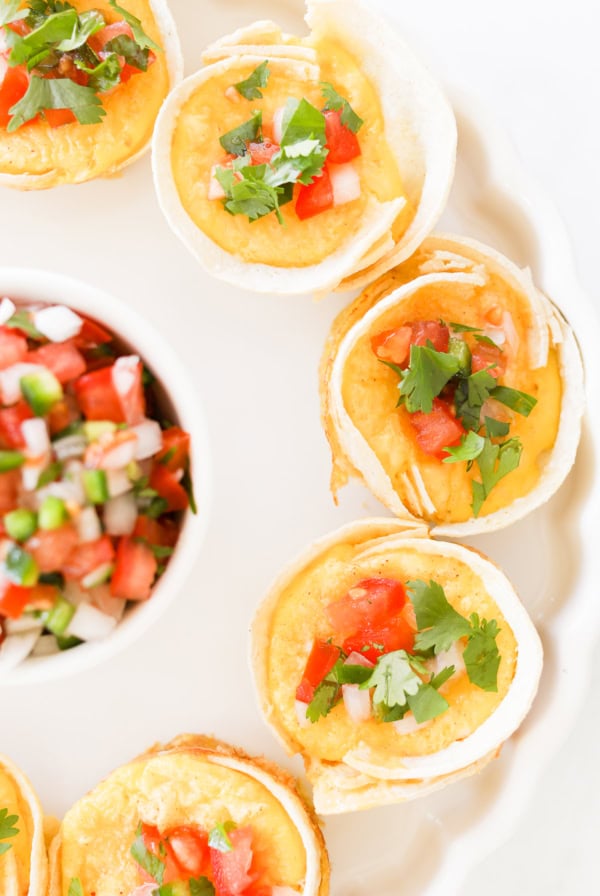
x=294, y=165
x=23, y=856
x=92, y=481
x=454, y=389
x=80, y=87
x=392, y=663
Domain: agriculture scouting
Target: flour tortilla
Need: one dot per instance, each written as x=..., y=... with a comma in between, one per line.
x=24, y=868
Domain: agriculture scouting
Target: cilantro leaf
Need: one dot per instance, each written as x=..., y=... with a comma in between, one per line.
x=251, y=196
x=88, y=23
x=427, y=374
x=519, y=402
x=151, y=864
x=481, y=655
x=471, y=392
x=394, y=679
x=11, y=11
x=334, y=101
x=139, y=35
x=327, y=695
x=442, y=677
x=7, y=829
x=219, y=837
x=427, y=703
x=75, y=888
x=471, y=446
x=301, y=161
x=440, y=625
x=351, y=674
x=56, y=93
x=235, y=141
x=301, y=121
x=32, y=48
x=21, y=320
x=462, y=328
x=132, y=53
x=201, y=886
x=250, y=87
x=104, y=76
x=495, y=462
x=495, y=429
x=485, y=340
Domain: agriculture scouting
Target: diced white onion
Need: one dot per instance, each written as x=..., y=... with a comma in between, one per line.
x=31, y=472
x=409, y=724
x=301, y=714
x=451, y=657
x=97, y=576
x=10, y=380
x=88, y=524
x=118, y=482
x=120, y=514
x=215, y=190
x=15, y=648
x=232, y=94
x=149, y=439
x=512, y=337
x=57, y=322
x=35, y=434
x=119, y=456
x=25, y=623
x=345, y=183
x=277, y=124
x=75, y=594
x=70, y=492
x=106, y=603
x=496, y=335
x=7, y=306
x=124, y=373
x=46, y=646
x=69, y=446
x=357, y=702
x=90, y=624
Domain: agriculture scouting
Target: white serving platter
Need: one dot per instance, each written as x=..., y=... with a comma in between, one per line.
x=254, y=361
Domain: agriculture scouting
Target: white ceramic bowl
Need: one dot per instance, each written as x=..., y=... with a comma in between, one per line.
x=179, y=393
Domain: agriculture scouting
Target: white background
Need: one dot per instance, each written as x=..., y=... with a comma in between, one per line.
x=536, y=66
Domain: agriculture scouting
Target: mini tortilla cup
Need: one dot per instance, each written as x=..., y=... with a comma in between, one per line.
x=24, y=867
x=360, y=765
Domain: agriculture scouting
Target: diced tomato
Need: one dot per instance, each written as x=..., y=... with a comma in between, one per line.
x=321, y=660
x=97, y=396
x=10, y=424
x=13, y=88
x=483, y=356
x=99, y=40
x=231, y=870
x=9, y=491
x=62, y=358
x=316, y=197
x=62, y=414
x=262, y=153
x=175, y=450
x=168, y=487
x=57, y=117
x=190, y=849
x=397, y=634
x=156, y=844
x=426, y=331
x=369, y=603
x=127, y=382
x=91, y=334
x=135, y=569
x=13, y=347
x=393, y=345
x=162, y=533
x=438, y=430
x=51, y=547
x=13, y=599
x=86, y=557
x=342, y=143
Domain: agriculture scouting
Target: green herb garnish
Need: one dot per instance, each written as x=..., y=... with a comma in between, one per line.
x=139, y=35
x=219, y=837
x=151, y=864
x=250, y=87
x=56, y=93
x=236, y=140
x=334, y=101
x=7, y=829
x=75, y=888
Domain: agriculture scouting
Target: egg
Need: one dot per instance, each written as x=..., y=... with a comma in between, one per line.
x=462, y=282
x=357, y=764
x=24, y=866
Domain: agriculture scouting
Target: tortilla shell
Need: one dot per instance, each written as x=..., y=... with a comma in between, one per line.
x=24, y=867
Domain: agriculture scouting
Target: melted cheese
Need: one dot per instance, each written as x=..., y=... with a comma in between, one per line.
x=75, y=152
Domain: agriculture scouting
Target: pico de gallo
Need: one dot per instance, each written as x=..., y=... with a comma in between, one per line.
x=58, y=64
x=191, y=861
x=92, y=481
x=393, y=648
x=453, y=395
x=304, y=155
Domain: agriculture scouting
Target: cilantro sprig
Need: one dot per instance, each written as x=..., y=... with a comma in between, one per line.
x=151, y=864
x=139, y=35
x=75, y=887
x=250, y=88
x=336, y=102
x=219, y=838
x=11, y=11
x=56, y=93
x=7, y=829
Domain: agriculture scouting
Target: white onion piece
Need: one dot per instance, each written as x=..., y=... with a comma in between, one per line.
x=35, y=434
x=75, y=594
x=124, y=373
x=69, y=446
x=24, y=623
x=512, y=337
x=300, y=708
x=357, y=702
x=120, y=514
x=97, y=576
x=88, y=524
x=31, y=472
x=409, y=724
x=345, y=183
x=215, y=190
x=57, y=322
x=15, y=648
x=10, y=380
x=277, y=124
x=45, y=646
x=451, y=657
x=103, y=600
x=70, y=492
x=496, y=335
x=90, y=624
x=7, y=306
x=118, y=482
x=149, y=439
x=118, y=457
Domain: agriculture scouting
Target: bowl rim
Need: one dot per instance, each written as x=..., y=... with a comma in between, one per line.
x=24, y=284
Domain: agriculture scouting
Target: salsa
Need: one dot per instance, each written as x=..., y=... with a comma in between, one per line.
x=92, y=480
